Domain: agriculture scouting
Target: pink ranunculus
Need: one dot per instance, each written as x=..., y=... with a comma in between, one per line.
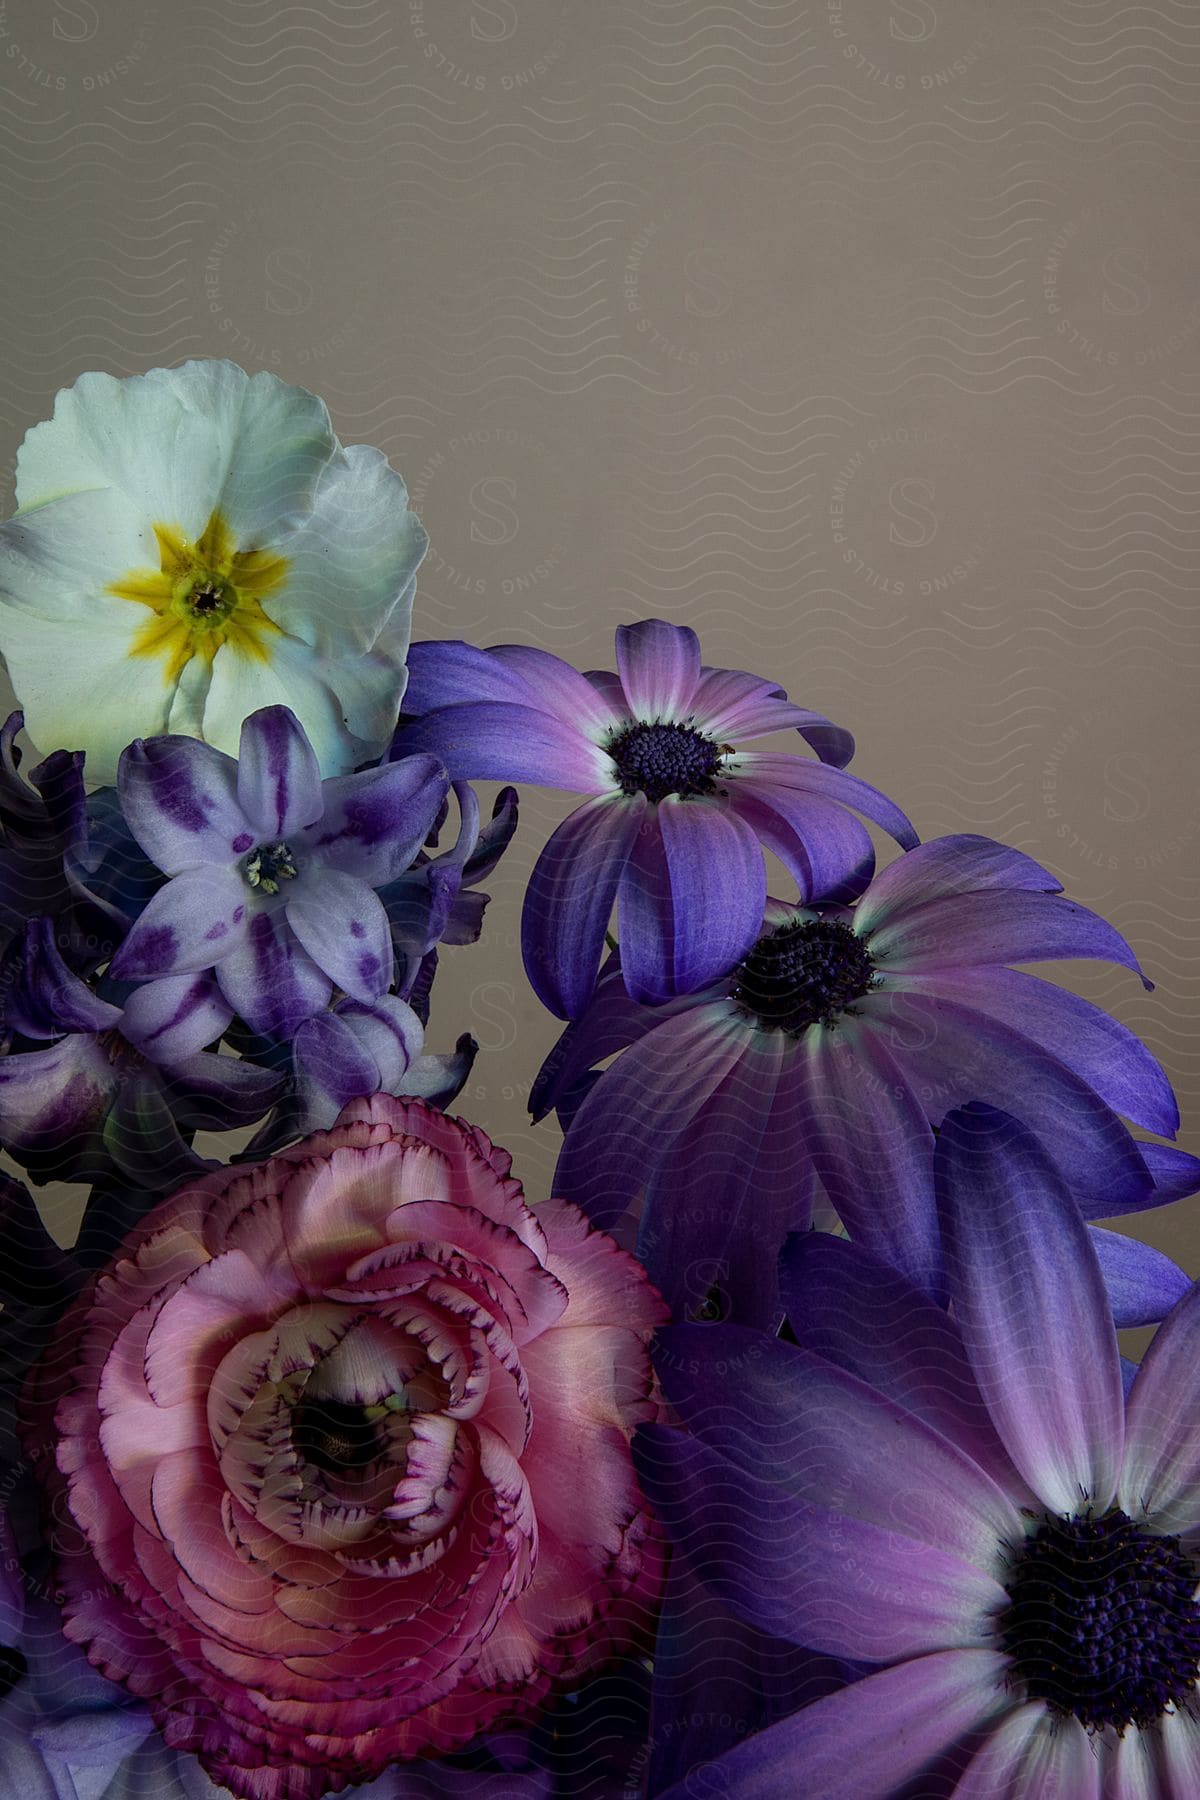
x=338, y=1454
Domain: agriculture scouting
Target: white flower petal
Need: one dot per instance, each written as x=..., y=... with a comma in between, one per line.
x=353, y=560
x=297, y=678
x=80, y=688
x=180, y=442
x=57, y=561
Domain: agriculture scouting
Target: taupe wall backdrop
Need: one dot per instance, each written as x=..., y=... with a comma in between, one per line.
x=863, y=337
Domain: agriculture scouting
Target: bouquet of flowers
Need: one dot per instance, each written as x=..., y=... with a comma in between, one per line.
x=785, y=1450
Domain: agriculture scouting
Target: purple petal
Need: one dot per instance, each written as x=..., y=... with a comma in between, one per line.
x=554, y=686
x=173, y=1018
x=1142, y=1283
x=439, y=1078
x=391, y=1031
x=278, y=776
x=375, y=822
x=1036, y=1754
x=803, y=776
x=866, y=1741
x=960, y=864
x=179, y=797
x=611, y=1022
x=803, y=1572
x=342, y=924
x=52, y=1098
x=719, y=1206
x=492, y=740
x=952, y=1055
x=871, y=1145
x=1109, y=1058
x=824, y=848
x=271, y=981
x=846, y=1306
x=642, y=1107
x=832, y=1440
x=48, y=998
x=569, y=900
x=1161, y=1477
x=209, y=1092
x=729, y=704
x=1032, y=1308
x=195, y=922
x=690, y=900
x=332, y=1067
x=998, y=927
x=1176, y=1174
x=659, y=665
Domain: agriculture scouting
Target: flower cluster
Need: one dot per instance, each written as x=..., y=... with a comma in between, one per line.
x=786, y=1449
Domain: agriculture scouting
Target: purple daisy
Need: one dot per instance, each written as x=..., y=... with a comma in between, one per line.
x=831, y=1052
x=968, y=1503
x=273, y=871
x=677, y=817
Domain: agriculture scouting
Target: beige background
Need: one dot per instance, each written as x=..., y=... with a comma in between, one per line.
x=865, y=338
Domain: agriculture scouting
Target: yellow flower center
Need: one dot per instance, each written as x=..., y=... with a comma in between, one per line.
x=203, y=595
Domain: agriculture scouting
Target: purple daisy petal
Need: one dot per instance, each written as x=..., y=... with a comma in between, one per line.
x=173, y=1018
x=453, y=673
x=557, y=687
x=866, y=1741
x=270, y=980
x=954, y=1054
x=278, y=776
x=999, y=927
x=611, y=1022
x=730, y=703
x=375, y=822
x=715, y=1216
x=1108, y=1057
x=825, y=849
x=1032, y=1752
x=832, y=1440
x=799, y=775
x=618, y=1136
x=494, y=740
x=659, y=665
x=343, y=925
x=853, y=1310
x=179, y=798
x=1180, y=1739
x=195, y=922
x=569, y=900
x=784, y=1565
x=871, y=1145
x=1161, y=1476
x=960, y=864
x=1032, y=1308
x=690, y=899
x=1142, y=1283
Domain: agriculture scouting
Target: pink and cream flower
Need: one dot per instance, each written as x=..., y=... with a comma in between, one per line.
x=338, y=1454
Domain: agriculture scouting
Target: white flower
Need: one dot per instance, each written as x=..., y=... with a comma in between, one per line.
x=193, y=544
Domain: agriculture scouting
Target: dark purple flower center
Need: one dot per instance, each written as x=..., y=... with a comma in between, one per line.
x=267, y=866
x=803, y=974
x=658, y=760
x=1102, y=1622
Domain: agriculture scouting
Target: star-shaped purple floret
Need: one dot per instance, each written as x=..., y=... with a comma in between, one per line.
x=273, y=871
